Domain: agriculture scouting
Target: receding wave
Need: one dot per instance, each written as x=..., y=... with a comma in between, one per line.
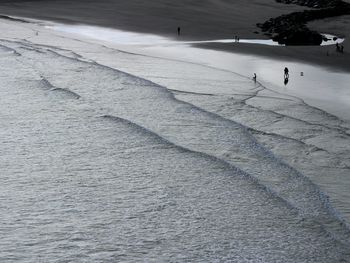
x=67, y=92
x=63, y=91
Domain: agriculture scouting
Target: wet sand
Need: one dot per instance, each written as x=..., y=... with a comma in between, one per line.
x=325, y=56
x=198, y=21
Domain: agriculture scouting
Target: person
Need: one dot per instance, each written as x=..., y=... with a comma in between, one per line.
x=342, y=49
x=337, y=46
x=254, y=78
x=286, y=81
x=286, y=72
x=178, y=31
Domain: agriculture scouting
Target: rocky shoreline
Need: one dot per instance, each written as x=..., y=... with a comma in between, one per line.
x=291, y=29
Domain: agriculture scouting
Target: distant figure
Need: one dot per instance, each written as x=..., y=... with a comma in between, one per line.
x=337, y=47
x=286, y=79
x=342, y=49
x=237, y=39
x=301, y=73
x=286, y=72
x=178, y=31
x=254, y=78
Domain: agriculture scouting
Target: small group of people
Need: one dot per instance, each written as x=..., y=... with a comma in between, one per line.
x=339, y=48
x=286, y=76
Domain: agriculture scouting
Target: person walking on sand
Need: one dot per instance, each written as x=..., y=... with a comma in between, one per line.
x=254, y=78
x=286, y=73
x=178, y=31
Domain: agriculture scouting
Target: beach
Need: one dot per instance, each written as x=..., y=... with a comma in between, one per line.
x=224, y=20
x=130, y=147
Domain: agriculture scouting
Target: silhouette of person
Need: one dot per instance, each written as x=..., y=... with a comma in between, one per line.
x=286, y=72
x=254, y=78
x=178, y=30
x=286, y=79
x=342, y=49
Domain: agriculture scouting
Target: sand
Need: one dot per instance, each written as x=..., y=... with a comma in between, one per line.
x=199, y=20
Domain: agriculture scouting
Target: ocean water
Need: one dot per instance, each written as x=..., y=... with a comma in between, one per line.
x=109, y=155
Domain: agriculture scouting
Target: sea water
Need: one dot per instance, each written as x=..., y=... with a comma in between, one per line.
x=109, y=155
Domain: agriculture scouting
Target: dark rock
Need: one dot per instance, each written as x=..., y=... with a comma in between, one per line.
x=312, y=3
x=291, y=29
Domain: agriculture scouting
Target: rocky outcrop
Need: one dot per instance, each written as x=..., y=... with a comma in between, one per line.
x=312, y=3
x=291, y=29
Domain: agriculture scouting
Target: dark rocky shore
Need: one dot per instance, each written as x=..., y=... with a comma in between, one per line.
x=291, y=29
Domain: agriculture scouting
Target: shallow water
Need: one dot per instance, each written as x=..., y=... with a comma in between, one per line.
x=131, y=38
x=320, y=87
x=109, y=155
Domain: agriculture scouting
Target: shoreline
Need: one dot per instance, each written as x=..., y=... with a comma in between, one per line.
x=321, y=87
x=317, y=56
x=331, y=98
x=222, y=22
x=325, y=56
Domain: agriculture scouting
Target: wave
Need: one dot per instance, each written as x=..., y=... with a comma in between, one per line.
x=236, y=170
x=11, y=50
x=339, y=231
x=66, y=92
